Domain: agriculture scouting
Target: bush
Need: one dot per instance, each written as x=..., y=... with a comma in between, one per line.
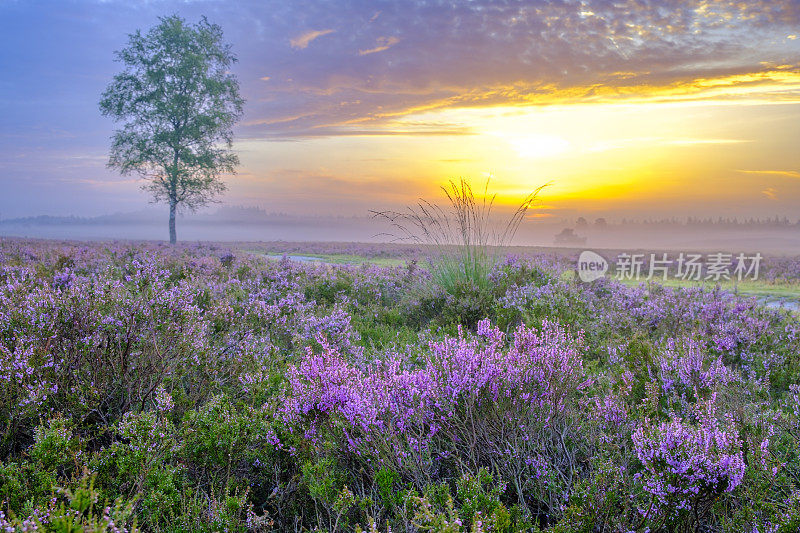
x=686, y=467
x=76, y=510
x=473, y=403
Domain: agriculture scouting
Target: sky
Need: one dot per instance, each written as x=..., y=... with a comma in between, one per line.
x=640, y=109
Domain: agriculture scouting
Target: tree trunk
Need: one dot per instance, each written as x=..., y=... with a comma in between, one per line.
x=173, y=238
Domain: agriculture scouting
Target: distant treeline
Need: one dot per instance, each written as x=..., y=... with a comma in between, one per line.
x=224, y=215
x=719, y=222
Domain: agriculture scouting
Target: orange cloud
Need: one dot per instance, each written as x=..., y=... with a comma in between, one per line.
x=303, y=40
x=777, y=84
x=787, y=173
x=382, y=43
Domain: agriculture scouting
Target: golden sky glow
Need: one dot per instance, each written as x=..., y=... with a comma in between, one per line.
x=714, y=142
x=628, y=108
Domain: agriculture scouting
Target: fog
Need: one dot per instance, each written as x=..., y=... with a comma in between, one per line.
x=244, y=224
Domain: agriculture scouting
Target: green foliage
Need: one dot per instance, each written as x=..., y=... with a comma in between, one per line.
x=55, y=446
x=139, y=457
x=389, y=487
x=219, y=437
x=328, y=291
x=321, y=479
x=162, y=495
x=210, y=513
x=24, y=486
x=479, y=501
x=327, y=490
x=55, y=454
x=598, y=501
x=383, y=329
x=435, y=510
x=639, y=357
x=76, y=510
x=468, y=304
x=477, y=506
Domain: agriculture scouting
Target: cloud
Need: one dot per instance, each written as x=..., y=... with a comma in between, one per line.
x=303, y=40
x=635, y=143
x=382, y=43
x=392, y=59
x=786, y=173
x=484, y=53
x=770, y=193
x=694, y=142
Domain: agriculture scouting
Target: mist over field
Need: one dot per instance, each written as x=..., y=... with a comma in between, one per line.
x=241, y=224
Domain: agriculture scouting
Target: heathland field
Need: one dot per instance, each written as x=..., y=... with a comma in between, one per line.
x=346, y=387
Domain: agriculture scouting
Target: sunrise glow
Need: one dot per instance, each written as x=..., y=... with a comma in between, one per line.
x=690, y=108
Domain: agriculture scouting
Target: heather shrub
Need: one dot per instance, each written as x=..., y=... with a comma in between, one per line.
x=420, y=308
x=55, y=447
x=326, y=291
x=383, y=330
x=137, y=462
x=95, y=351
x=554, y=299
x=220, y=442
x=476, y=506
x=226, y=510
x=474, y=402
x=478, y=498
x=770, y=493
x=335, y=503
x=601, y=501
x=686, y=466
x=688, y=374
x=25, y=487
x=56, y=453
x=466, y=305
x=190, y=477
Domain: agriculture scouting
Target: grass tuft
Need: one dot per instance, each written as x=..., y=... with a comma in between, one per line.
x=464, y=234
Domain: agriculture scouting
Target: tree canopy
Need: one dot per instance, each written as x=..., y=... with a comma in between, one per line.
x=178, y=102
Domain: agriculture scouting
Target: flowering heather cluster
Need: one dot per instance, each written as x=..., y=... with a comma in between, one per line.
x=686, y=465
x=737, y=328
x=80, y=516
x=687, y=374
x=94, y=338
x=781, y=269
x=468, y=400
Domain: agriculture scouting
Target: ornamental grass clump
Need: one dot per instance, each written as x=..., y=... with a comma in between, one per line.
x=464, y=234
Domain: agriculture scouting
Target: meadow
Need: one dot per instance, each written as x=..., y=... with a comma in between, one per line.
x=218, y=387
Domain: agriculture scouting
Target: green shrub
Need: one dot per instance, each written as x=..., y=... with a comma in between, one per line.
x=76, y=510
x=220, y=440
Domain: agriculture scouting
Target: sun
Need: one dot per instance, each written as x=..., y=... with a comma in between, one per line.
x=538, y=146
